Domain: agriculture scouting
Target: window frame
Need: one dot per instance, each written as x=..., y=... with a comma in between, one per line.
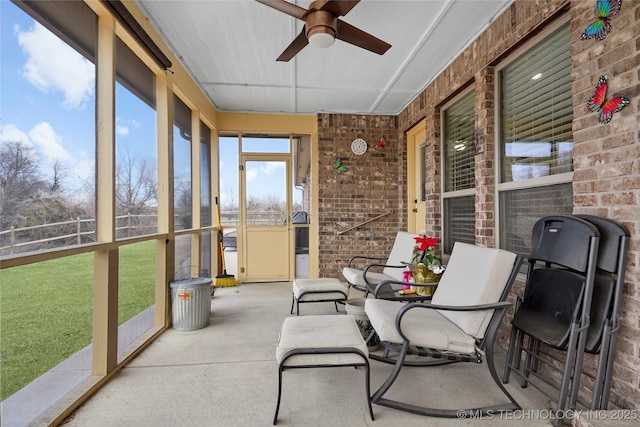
x=454, y=194
x=544, y=181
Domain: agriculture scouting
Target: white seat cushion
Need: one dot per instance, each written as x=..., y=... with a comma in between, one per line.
x=319, y=289
x=355, y=277
x=423, y=327
x=320, y=332
x=474, y=275
x=401, y=252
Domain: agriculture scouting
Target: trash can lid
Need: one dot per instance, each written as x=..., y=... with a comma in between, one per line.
x=191, y=283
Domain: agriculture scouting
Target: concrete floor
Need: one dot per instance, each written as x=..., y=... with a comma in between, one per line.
x=226, y=375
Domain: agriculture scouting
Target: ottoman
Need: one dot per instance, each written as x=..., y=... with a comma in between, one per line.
x=318, y=290
x=322, y=341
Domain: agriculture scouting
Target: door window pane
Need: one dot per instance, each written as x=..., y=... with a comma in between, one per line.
x=266, y=192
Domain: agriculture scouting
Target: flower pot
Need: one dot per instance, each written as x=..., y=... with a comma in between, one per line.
x=424, y=275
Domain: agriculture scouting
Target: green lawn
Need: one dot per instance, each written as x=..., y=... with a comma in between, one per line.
x=46, y=308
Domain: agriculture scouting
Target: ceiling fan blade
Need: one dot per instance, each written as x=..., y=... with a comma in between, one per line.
x=357, y=37
x=285, y=7
x=296, y=46
x=338, y=7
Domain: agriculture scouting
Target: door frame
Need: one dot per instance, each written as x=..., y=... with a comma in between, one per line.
x=243, y=229
x=416, y=209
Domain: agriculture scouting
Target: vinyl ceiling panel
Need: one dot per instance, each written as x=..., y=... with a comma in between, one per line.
x=230, y=47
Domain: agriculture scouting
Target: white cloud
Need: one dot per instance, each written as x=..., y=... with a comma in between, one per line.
x=272, y=167
x=11, y=133
x=252, y=174
x=48, y=142
x=122, y=130
x=53, y=66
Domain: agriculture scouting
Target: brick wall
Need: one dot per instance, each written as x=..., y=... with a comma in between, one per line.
x=606, y=180
x=606, y=157
x=373, y=184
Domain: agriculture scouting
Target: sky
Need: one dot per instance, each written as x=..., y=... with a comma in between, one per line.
x=47, y=94
x=48, y=102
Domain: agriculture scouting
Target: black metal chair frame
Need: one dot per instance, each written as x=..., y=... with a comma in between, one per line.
x=360, y=258
x=484, y=347
x=324, y=350
x=296, y=301
x=574, y=346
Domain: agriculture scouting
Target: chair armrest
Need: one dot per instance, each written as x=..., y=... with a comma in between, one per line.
x=370, y=266
x=362, y=257
x=502, y=305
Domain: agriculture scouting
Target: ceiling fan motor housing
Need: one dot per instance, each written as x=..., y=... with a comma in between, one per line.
x=321, y=21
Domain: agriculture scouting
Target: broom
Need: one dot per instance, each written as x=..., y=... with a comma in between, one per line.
x=222, y=279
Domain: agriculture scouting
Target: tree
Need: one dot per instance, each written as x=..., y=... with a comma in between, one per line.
x=136, y=192
x=136, y=188
x=20, y=181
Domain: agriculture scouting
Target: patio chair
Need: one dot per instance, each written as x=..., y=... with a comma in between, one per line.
x=389, y=268
x=556, y=306
x=459, y=325
x=605, y=307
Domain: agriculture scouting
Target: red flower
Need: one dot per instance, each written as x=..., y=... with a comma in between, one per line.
x=425, y=243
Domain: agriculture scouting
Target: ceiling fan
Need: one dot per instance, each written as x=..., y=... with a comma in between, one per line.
x=322, y=26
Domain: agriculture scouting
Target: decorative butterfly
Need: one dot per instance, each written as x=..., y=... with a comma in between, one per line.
x=606, y=10
x=337, y=165
x=604, y=108
x=382, y=145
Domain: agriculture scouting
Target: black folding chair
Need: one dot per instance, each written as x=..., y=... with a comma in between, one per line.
x=555, y=309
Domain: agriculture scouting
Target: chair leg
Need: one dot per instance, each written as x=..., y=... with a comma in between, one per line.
x=293, y=299
x=510, y=353
x=275, y=417
x=368, y=388
x=494, y=374
x=393, y=376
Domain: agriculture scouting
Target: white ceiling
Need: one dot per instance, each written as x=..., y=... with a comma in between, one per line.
x=230, y=47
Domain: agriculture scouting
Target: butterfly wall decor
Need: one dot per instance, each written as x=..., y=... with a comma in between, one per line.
x=337, y=165
x=383, y=143
x=606, y=9
x=605, y=109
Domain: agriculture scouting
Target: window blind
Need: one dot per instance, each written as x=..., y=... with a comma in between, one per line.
x=536, y=107
x=459, y=150
x=522, y=208
x=460, y=225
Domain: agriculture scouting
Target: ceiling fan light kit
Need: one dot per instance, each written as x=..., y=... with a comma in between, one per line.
x=322, y=26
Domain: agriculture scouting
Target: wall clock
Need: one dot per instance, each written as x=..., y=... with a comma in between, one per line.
x=359, y=146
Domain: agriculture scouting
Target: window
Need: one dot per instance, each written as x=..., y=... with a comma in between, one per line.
x=459, y=174
x=48, y=136
x=136, y=146
x=536, y=138
x=181, y=164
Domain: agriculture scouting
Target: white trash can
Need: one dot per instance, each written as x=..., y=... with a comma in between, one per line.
x=191, y=303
